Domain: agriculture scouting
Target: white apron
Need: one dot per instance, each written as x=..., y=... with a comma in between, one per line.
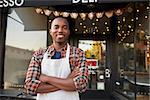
x=57, y=68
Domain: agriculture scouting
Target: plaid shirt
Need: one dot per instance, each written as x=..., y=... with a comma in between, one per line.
x=76, y=59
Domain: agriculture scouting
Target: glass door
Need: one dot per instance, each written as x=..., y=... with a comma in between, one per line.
x=95, y=54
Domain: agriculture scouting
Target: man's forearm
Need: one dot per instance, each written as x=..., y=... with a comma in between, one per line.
x=64, y=84
x=46, y=88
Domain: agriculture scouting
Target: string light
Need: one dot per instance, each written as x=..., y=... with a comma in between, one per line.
x=140, y=24
x=93, y=23
x=129, y=26
x=128, y=33
x=81, y=23
x=118, y=27
x=104, y=33
x=76, y=29
x=84, y=32
x=132, y=20
x=146, y=17
x=119, y=34
x=118, y=22
x=42, y=12
x=132, y=30
x=98, y=15
x=124, y=19
x=119, y=42
x=95, y=27
x=50, y=21
x=137, y=18
x=97, y=20
x=137, y=10
x=84, y=26
x=107, y=28
x=106, y=23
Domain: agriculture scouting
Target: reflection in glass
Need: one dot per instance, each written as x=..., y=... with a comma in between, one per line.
x=19, y=48
x=95, y=54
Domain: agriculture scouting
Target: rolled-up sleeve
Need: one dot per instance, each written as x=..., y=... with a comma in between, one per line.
x=32, y=76
x=81, y=81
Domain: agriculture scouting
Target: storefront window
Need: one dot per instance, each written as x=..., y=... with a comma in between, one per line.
x=20, y=45
x=134, y=48
x=95, y=54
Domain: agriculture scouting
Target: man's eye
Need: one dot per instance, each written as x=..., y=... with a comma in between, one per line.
x=56, y=27
x=65, y=27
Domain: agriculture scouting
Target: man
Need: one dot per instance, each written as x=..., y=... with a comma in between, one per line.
x=60, y=71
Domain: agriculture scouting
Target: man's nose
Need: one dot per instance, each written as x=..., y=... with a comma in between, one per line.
x=60, y=30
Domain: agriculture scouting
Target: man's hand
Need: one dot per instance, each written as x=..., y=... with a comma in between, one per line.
x=43, y=78
x=74, y=73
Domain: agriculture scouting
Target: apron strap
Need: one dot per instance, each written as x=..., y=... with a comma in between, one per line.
x=68, y=51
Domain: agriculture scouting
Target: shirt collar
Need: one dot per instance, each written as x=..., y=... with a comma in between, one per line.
x=51, y=48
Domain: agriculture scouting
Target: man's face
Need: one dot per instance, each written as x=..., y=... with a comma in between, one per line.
x=59, y=30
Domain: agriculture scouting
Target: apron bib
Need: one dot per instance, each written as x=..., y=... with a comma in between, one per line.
x=57, y=68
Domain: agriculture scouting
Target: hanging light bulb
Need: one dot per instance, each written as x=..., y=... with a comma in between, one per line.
x=47, y=12
x=91, y=15
x=109, y=13
x=74, y=15
x=83, y=15
x=119, y=12
x=56, y=13
x=65, y=14
x=99, y=15
x=38, y=10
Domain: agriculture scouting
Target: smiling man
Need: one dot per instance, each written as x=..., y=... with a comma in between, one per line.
x=60, y=71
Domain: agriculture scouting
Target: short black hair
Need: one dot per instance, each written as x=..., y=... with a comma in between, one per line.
x=71, y=22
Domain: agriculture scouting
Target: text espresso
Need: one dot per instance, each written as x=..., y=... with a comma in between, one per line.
x=11, y=3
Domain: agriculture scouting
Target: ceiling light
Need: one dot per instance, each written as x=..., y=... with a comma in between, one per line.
x=74, y=15
x=109, y=13
x=99, y=15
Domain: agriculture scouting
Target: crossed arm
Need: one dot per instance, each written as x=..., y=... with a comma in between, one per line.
x=51, y=84
x=36, y=82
